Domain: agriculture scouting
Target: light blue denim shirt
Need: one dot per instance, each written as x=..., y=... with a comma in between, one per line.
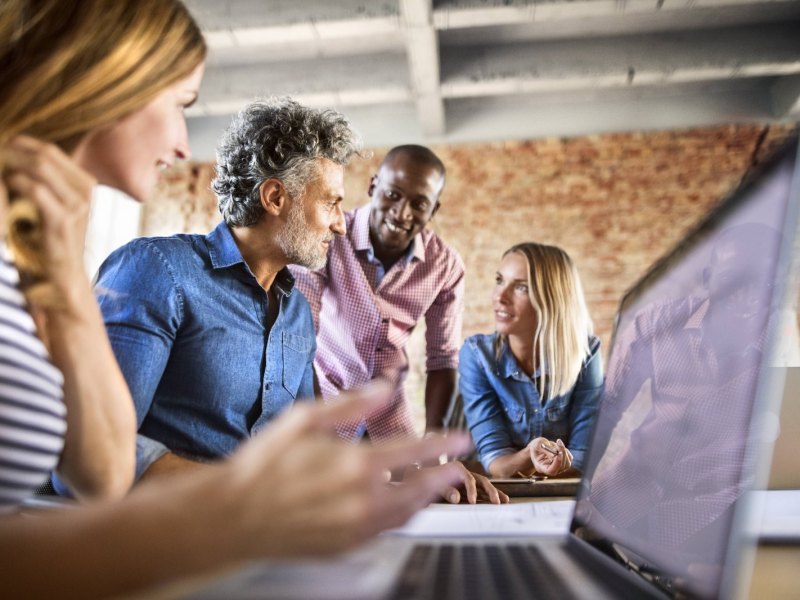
x=188, y=324
x=504, y=410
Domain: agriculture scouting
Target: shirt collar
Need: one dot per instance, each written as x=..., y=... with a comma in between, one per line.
x=507, y=366
x=695, y=320
x=222, y=248
x=224, y=253
x=284, y=282
x=361, y=241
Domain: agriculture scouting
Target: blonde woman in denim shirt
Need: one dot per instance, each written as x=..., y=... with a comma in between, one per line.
x=532, y=388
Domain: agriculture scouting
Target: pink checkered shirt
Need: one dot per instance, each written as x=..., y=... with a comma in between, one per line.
x=363, y=327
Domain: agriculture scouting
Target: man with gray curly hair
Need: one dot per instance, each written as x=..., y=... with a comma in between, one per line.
x=212, y=338
x=283, y=141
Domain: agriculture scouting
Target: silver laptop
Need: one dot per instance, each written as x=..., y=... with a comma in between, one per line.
x=662, y=508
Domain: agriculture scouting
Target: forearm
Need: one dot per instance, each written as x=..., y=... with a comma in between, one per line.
x=251, y=506
x=439, y=390
x=511, y=465
x=98, y=460
x=170, y=465
x=157, y=533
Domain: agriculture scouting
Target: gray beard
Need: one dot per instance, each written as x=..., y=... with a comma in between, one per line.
x=299, y=246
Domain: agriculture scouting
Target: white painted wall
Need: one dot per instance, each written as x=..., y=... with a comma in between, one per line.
x=114, y=220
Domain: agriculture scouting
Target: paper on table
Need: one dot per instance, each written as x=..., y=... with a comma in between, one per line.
x=490, y=519
x=775, y=515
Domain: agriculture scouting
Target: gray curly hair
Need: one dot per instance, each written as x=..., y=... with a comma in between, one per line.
x=281, y=139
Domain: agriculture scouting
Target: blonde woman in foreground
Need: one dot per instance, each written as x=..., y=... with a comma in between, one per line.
x=94, y=91
x=531, y=389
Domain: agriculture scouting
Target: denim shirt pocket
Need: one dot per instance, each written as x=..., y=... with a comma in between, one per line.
x=513, y=412
x=296, y=355
x=557, y=409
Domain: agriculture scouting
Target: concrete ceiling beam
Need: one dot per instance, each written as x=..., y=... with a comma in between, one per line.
x=785, y=94
x=422, y=47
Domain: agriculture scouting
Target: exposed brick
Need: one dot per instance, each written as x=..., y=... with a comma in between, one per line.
x=614, y=202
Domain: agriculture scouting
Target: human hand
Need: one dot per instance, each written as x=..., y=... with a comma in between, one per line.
x=299, y=490
x=473, y=487
x=48, y=219
x=549, y=458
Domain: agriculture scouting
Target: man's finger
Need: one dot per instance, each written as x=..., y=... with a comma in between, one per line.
x=470, y=487
x=451, y=495
x=405, y=452
x=491, y=492
x=417, y=491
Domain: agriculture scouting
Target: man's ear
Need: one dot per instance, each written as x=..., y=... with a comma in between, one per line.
x=273, y=196
x=371, y=188
x=436, y=208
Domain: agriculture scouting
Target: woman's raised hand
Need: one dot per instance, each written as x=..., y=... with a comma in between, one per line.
x=44, y=178
x=549, y=458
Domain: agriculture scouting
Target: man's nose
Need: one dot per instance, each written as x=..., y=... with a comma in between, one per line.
x=339, y=227
x=404, y=212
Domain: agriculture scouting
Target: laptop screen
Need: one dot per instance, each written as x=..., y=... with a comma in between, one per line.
x=668, y=457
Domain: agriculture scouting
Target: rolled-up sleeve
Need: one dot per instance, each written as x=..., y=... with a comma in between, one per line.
x=443, y=322
x=482, y=409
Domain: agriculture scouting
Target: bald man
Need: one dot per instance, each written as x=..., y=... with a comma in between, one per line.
x=382, y=277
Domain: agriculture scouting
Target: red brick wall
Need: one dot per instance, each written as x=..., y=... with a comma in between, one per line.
x=615, y=203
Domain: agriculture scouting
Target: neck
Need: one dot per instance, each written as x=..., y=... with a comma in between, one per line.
x=386, y=256
x=523, y=352
x=261, y=254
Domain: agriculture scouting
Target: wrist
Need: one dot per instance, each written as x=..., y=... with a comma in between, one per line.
x=74, y=306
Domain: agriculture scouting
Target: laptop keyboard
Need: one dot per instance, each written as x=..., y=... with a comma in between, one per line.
x=444, y=571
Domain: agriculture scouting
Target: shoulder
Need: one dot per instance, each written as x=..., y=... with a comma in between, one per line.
x=659, y=318
x=480, y=345
x=173, y=245
x=594, y=346
x=154, y=252
x=438, y=249
x=593, y=357
x=149, y=264
x=592, y=366
x=350, y=216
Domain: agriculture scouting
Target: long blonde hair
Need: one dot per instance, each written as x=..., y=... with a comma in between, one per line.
x=561, y=339
x=72, y=67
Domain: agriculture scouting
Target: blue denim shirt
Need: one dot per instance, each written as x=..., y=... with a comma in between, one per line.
x=188, y=323
x=504, y=410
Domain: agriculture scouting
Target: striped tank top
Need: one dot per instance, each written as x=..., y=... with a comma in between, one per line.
x=32, y=411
